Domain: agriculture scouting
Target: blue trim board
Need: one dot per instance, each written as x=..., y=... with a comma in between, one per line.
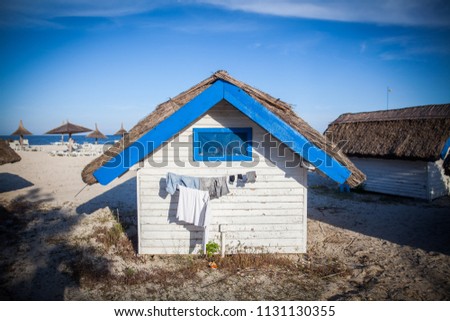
x=285, y=133
x=161, y=133
x=445, y=149
x=198, y=106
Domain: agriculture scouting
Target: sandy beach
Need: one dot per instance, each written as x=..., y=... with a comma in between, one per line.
x=63, y=240
x=56, y=181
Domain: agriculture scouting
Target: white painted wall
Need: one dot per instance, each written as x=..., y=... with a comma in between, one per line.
x=418, y=179
x=438, y=182
x=266, y=216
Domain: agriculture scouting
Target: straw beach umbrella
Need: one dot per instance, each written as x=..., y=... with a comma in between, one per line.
x=69, y=128
x=7, y=154
x=96, y=134
x=21, y=131
x=121, y=131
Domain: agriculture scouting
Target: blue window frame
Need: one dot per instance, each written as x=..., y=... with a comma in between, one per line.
x=222, y=144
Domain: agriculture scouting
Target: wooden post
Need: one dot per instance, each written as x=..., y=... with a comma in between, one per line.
x=222, y=242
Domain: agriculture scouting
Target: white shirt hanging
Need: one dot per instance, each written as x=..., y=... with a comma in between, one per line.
x=193, y=206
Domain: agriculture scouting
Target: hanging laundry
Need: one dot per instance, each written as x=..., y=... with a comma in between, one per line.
x=194, y=208
x=172, y=180
x=216, y=186
x=251, y=177
x=241, y=180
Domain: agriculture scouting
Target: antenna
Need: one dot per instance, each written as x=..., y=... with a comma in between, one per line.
x=388, y=90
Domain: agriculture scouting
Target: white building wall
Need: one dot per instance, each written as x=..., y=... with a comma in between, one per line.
x=418, y=179
x=438, y=182
x=266, y=216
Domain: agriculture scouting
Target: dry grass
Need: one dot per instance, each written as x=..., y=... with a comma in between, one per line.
x=93, y=269
x=242, y=261
x=109, y=236
x=92, y=273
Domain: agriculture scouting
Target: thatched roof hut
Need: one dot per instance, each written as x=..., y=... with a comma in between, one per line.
x=415, y=133
x=7, y=154
x=281, y=109
x=399, y=150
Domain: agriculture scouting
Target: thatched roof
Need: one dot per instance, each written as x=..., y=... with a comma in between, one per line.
x=276, y=106
x=21, y=131
x=416, y=133
x=96, y=134
x=69, y=128
x=121, y=131
x=7, y=154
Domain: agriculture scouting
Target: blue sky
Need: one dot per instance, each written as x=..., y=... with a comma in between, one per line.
x=109, y=62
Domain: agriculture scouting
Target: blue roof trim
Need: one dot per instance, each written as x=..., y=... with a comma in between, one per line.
x=161, y=133
x=445, y=149
x=219, y=90
x=285, y=133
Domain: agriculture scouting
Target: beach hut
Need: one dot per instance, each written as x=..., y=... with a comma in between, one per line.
x=7, y=154
x=401, y=151
x=223, y=130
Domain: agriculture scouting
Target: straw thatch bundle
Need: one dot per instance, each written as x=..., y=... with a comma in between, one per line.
x=278, y=107
x=121, y=131
x=96, y=134
x=415, y=133
x=21, y=130
x=7, y=154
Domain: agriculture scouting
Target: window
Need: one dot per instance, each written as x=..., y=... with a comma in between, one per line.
x=222, y=144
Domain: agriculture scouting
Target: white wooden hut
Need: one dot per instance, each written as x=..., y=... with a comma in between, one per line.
x=267, y=215
x=401, y=151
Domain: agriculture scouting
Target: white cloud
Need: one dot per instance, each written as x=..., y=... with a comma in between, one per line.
x=363, y=47
x=395, y=12
x=408, y=47
x=78, y=8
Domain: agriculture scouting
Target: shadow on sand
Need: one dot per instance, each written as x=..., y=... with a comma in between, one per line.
x=37, y=261
x=122, y=197
x=400, y=220
x=11, y=182
x=122, y=200
x=26, y=271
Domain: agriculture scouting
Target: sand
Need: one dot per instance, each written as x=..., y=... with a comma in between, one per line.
x=63, y=240
x=56, y=180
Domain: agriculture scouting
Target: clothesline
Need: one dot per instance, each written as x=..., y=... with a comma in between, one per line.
x=217, y=186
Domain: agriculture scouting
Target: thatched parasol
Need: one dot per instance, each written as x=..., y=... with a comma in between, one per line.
x=121, y=131
x=69, y=128
x=96, y=134
x=21, y=131
x=7, y=154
